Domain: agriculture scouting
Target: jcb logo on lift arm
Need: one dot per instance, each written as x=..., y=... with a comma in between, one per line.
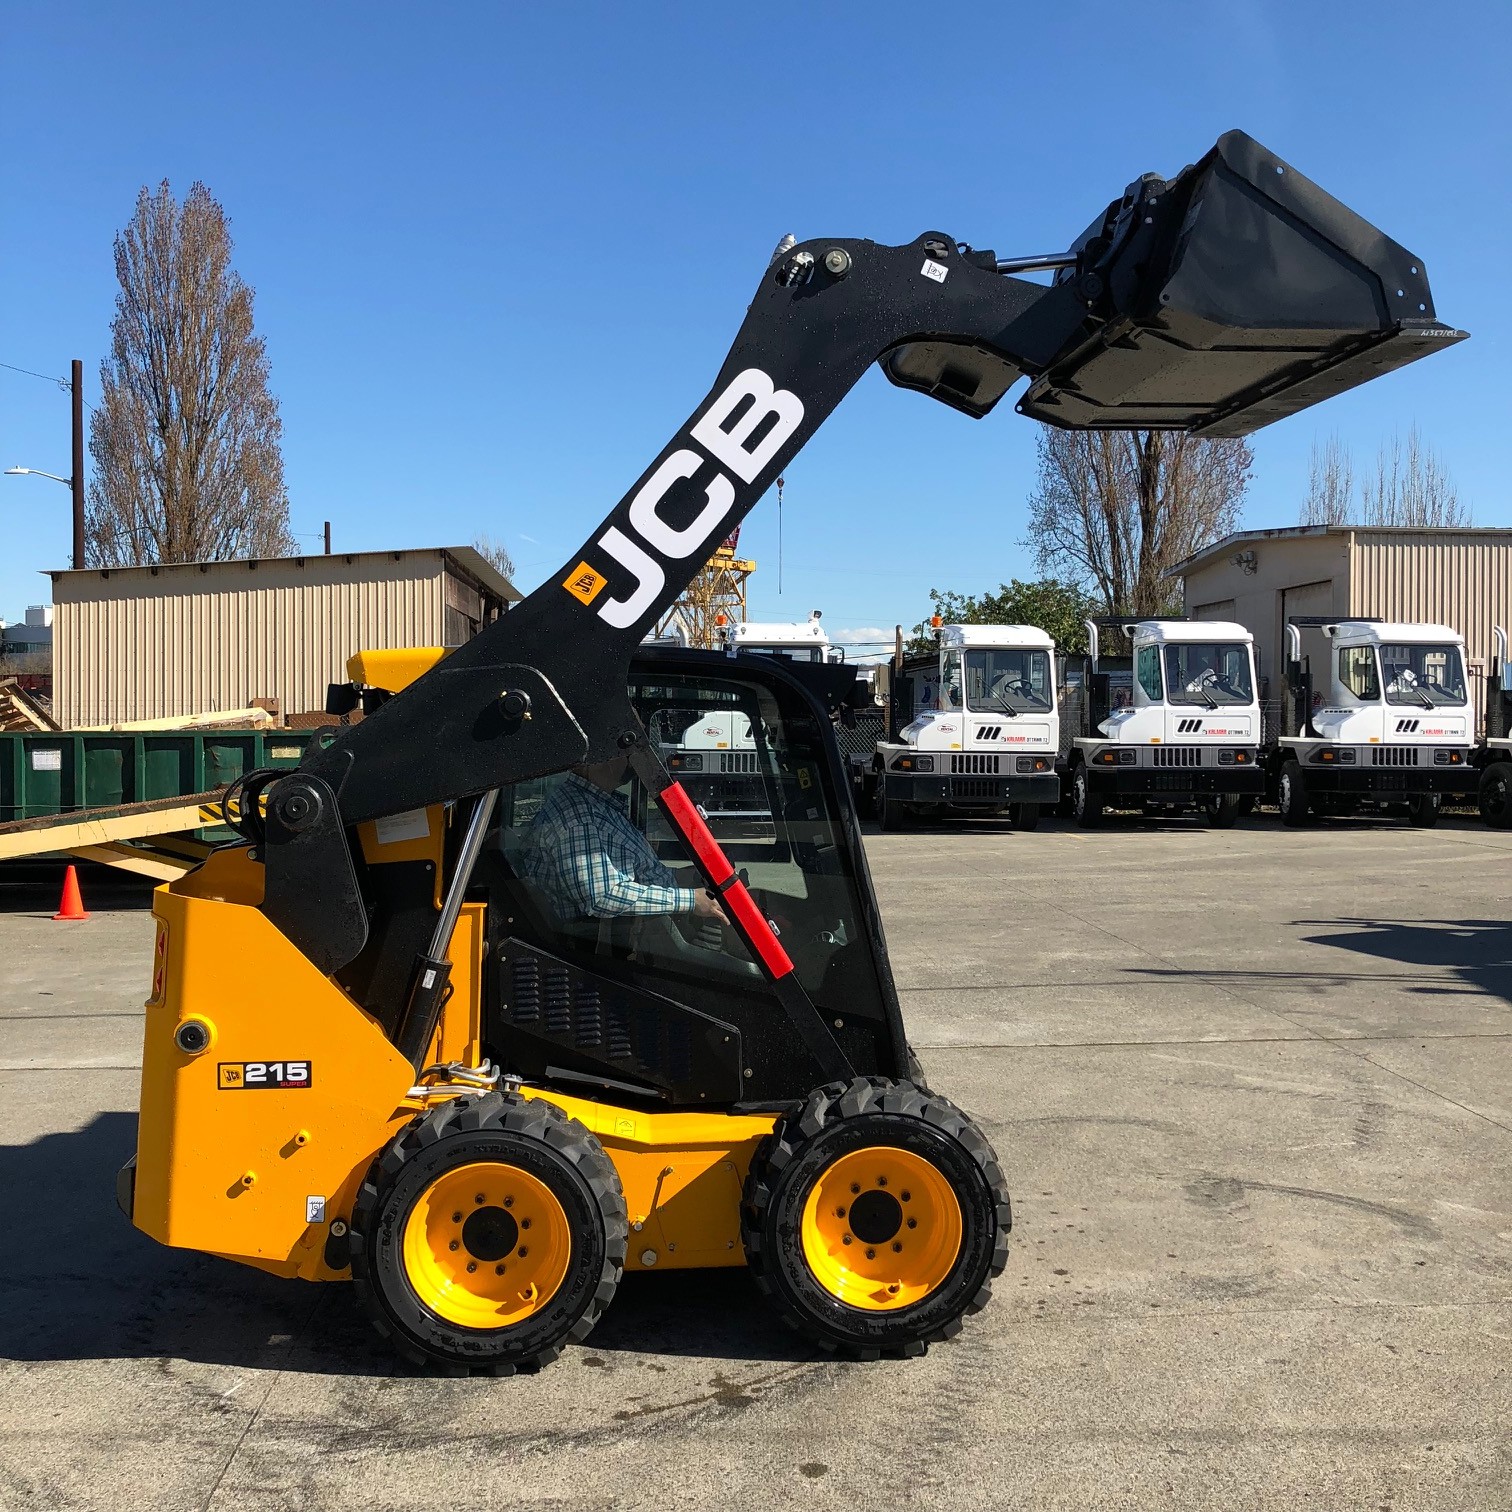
x=741, y=431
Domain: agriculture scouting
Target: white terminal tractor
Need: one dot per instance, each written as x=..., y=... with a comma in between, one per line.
x=1390, y=722
x=1177, y=726
x=973, y=729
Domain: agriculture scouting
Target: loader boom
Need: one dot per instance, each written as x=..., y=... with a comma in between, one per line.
x=1231, y=295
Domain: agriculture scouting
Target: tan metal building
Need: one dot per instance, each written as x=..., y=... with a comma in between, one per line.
x=136, y=643
x=1261, y=578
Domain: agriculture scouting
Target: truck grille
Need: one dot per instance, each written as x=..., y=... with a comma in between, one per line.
x=985, y=764
x=1177, y=756
x=976, y=787
x=1394, y=756
x=737, y=761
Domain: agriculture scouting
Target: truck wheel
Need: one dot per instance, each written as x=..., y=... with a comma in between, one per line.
x=1423, y=810
x=891, y=814
x=875, y=1218
x=488, y=1235
x=1496, y=795
x=1291, y=794
x=1085, y=804
x=1222, y=811
x=1024, y=816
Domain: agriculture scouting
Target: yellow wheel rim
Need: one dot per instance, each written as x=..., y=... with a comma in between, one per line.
x=881, y=1228
x=486, y=1245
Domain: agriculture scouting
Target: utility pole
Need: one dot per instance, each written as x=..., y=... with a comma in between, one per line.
x=328, y=538
x=76, y=383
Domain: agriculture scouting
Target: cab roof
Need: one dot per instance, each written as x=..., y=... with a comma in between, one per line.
x=1391, y=633
x=1184, y=632
x=808, y=632
x=996, y=635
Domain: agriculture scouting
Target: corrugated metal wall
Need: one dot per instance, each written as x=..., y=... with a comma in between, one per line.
x=138, y=644
x=1457, y=578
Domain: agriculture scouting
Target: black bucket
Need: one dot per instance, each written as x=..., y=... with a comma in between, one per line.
x=1230, y=296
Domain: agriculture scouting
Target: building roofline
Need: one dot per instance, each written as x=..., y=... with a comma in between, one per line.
x=467, y=558
x=1299, y=532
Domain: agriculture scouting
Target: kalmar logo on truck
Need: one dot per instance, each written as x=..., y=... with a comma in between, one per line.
x=765, y=416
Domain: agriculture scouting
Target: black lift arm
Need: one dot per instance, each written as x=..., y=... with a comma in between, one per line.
x=1218, y=301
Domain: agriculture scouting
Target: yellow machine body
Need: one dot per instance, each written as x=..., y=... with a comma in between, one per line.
x=236, y=1158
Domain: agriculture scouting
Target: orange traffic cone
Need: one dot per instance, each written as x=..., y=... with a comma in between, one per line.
x=72, y=906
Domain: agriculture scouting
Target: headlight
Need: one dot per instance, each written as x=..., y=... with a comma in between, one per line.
x=1335, y=755
x=1032, y=764
x=1235, y=758
x=683, y=762
x=1127, y=758
x=1448, y=758
x=915, y=763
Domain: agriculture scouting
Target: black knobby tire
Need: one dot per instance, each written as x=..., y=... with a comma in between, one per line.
x=1024, y=816
x=892, y=816
x=527, y=1134
x=838, y=1120
x=1423, y=810
x=1222, y=811
x=1085, y=804
x=1291, y=795
x=1495, y=795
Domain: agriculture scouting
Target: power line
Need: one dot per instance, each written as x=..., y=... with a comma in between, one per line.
x=62, y=383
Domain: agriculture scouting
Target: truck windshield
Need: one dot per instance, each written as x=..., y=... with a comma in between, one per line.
x=1426, y=675
x=1009, y=676
x=1208, y=673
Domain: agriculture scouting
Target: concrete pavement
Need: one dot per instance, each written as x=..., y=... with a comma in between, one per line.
x=1251, y=1089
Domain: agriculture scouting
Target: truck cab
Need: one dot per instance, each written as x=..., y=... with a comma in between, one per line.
x=1390, y=722
x=974, y=728
x=1183, y=733
x=804, y=641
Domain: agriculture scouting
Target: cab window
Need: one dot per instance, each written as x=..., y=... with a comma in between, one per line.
x=1357, y=672
x=1148, y=669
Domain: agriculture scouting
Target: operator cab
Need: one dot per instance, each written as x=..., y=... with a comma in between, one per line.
x=1395, y=682
x=804, y=641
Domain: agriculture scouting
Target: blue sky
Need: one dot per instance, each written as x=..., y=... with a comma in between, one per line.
x=500, y=250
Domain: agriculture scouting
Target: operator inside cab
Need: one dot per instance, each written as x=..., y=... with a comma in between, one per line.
x=588, y=857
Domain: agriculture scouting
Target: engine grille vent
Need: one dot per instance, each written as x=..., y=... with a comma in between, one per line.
x=983, y=763
x=1394, y=756
x=1177, y=756
x=738, y=761
x=976, y=787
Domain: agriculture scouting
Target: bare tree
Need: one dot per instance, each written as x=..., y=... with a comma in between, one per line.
x=1409, y=486
x=1118, y=509
x=1330, y=484
x=495, y=553
x=185, y=442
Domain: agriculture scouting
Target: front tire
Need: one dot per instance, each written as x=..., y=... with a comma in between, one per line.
x=1024, y=816
x=1291, y=795
x=1086, y=806
x=1423, y=810
x=891, y=815
x=875, y=1218
x=489, y=1235
x=1495, y=795
x=1222, y=812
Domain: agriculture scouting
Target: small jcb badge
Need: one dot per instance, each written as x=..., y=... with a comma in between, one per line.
x=934, y=270
x=230, y=1078
x=584, y=583
x=278, y=1075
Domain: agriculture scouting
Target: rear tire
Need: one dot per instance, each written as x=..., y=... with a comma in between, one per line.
x=1495, y=795
x=1221, y=812
x=1024, y=816
x=1423, y=810
x=899, y=1268
x=1086, y=806
x=1291, y=794
x=488, y=1235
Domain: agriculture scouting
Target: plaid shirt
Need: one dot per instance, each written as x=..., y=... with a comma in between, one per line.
x=592, y=862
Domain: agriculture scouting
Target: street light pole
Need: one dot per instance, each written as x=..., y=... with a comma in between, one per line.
x=76, y=376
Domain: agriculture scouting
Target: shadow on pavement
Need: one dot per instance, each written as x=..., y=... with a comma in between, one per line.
x=85, y=1285
x=1478, y=952
x=35, y=886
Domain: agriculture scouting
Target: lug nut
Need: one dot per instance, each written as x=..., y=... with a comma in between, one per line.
x=498, y=1270
x=524, y=1223
x=454, y=1245
x=523, y=1252
x=855, y=1187
x=904, y=1196
x=846, y=1239
x=509, y=1202
x=840, y=1212
x=472, y=1265
x=479, y=1199
x=871, y=1254
x=913, y=1223
x=881, y=1181
x=897, y=1248
x=456, y=1217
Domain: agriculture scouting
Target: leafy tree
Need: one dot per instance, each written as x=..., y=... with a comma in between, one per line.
x=186, y=441
x=1057, y=607
x=1116, y=510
